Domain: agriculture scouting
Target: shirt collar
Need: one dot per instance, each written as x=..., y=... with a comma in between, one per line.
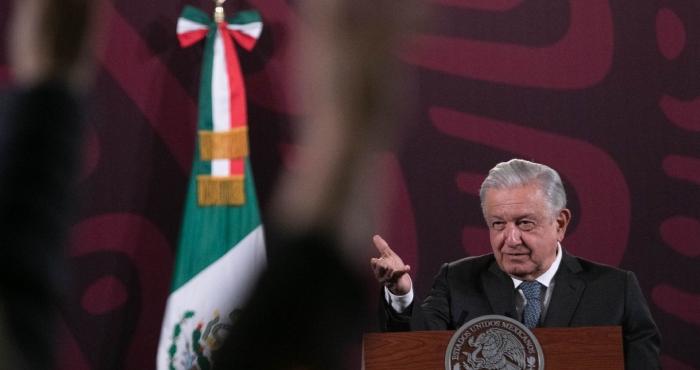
x=546, y=278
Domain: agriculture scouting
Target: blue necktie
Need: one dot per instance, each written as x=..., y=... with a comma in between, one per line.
x=531, y=316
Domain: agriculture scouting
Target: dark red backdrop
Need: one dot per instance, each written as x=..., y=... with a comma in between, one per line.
x=607, y=92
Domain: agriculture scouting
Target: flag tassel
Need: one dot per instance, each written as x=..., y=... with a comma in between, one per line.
x=224, y=145
x=220, y=191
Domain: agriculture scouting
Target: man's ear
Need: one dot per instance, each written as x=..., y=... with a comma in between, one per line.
x=563, y=218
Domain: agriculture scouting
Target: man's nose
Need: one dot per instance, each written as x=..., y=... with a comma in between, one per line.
x=512, y=235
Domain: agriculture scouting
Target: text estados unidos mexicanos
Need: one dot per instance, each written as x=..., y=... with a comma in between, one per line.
x=486, y=324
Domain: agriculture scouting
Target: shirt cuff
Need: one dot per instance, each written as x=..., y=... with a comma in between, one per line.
x=399, y=302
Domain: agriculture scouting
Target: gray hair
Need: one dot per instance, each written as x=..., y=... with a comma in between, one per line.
x=519, y=172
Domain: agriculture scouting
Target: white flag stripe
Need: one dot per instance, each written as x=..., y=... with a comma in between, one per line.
x=251, y=29
x=186, y=25
x=223, y=286
x=220, y=102
x=220, y=93
x=221, y=167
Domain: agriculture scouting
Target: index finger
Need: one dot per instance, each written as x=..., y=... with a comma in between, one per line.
x=382, y=246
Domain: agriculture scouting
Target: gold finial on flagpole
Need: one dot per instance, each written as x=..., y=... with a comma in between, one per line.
x=219, y=11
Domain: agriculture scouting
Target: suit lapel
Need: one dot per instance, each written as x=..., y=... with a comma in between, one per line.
x=499, y=290
x=568, y=288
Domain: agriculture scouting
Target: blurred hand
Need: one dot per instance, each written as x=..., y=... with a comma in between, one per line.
x=389, y=269
x=49, y=39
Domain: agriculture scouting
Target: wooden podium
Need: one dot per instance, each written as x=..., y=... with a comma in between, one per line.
x=597, y=348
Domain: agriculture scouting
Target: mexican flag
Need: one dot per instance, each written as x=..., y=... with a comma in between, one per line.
x=221, y=251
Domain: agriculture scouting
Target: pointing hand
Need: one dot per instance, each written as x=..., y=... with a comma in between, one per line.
x=389, y=269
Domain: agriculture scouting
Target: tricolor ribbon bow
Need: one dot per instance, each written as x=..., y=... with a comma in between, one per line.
x=223, y=130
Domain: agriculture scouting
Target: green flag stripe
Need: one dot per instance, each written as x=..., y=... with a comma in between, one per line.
x=245, y=17
x=196, y=15
x=206, y=119
x=209, y=232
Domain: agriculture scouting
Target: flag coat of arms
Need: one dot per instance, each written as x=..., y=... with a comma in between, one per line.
x=221, y=251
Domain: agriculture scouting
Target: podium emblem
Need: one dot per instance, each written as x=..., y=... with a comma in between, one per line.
x=494, y=342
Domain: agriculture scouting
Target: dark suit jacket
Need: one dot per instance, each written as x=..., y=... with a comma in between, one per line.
x=585, y=294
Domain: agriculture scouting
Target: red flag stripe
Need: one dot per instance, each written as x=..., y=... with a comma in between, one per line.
x=236, y=88
x=246, y=41
x=237, y=166
x=189, y=38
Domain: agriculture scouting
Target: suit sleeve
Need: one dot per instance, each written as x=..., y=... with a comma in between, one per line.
x=432, y=314
x=642, y=341
x=392, y=321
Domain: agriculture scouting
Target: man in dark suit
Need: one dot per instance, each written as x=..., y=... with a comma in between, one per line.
x=528, y=277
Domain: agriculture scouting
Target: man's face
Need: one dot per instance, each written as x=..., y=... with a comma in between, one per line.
x=524, y=233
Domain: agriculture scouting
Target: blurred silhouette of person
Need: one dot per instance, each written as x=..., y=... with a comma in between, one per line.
x=40, y=136
x=306, y=312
